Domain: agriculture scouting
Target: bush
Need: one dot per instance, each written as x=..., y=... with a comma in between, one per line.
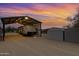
x=9, y=29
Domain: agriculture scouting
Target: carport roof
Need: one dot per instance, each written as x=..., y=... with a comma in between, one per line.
x=30, y=18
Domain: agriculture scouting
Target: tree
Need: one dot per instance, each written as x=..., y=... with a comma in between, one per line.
x=76, y=20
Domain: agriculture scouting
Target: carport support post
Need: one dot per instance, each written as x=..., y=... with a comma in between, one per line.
x=3, y=29
x=40, y=31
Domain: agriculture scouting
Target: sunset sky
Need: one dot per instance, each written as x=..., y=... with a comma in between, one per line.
x=50, y=14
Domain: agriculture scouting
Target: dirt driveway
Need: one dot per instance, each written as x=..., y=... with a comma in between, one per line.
x=17, y=45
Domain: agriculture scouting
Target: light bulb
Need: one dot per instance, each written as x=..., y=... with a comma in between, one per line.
x=26, y=17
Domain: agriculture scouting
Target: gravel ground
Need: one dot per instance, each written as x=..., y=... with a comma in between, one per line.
x=17, y=45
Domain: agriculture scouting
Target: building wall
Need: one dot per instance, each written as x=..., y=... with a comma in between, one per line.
x=72, y=35
x=28, y=28
x=55, y=34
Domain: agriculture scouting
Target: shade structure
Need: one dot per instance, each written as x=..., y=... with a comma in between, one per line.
x=18, y=22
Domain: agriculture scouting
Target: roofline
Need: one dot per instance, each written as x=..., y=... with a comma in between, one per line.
x=13, y=16
x=20, y=16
